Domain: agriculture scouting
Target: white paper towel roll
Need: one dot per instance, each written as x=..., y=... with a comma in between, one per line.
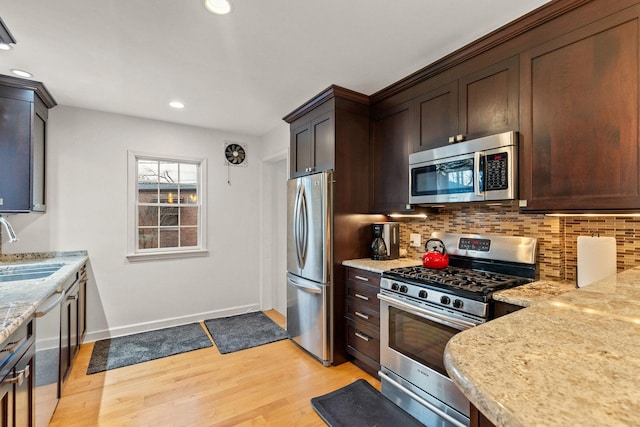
x=596, y=259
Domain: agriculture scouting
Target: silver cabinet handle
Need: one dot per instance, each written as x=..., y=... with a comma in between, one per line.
x=51, y=306
x=362, y=336
x=364, y=316
x=19, y=378
x=364, y=279
x=72, y=297
x=362, y=297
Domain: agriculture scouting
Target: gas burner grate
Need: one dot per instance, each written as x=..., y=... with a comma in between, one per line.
x=454, y=277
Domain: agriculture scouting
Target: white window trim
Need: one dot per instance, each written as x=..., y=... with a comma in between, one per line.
x=132, y=219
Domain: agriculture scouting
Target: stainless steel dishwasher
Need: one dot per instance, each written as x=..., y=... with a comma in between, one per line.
x=47, y=364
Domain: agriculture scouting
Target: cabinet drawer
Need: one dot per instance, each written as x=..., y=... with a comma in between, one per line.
x=364, y=339
x=363, y=276
x=357, y=311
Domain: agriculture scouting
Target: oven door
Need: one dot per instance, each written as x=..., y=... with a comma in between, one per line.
x=412, y=342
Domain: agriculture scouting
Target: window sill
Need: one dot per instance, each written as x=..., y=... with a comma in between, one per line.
x=152, y=256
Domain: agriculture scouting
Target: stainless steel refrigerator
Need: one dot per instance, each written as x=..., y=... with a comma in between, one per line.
x=309, y=262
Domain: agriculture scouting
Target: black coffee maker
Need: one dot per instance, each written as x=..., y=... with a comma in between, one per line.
x=378, y=245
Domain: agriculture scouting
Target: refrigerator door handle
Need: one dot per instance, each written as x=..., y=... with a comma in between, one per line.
x=301, y=226
x=303, y=287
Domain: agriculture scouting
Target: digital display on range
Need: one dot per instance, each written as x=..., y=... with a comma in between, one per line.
x=481, y=245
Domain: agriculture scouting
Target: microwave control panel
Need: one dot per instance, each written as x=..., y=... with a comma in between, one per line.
x=496, y=176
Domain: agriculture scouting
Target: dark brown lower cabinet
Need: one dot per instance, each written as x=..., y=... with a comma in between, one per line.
x=477, y=419
x=502, y=308
x=17, y=379
x=362, y=315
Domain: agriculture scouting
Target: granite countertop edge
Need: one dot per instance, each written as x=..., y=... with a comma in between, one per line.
x=521, y=369
x=379, y=266
x=20, y=299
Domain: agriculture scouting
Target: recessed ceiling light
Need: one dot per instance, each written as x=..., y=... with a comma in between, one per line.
x=176, y=104
x=219, y=7
x=5, y=46
x=21, y=73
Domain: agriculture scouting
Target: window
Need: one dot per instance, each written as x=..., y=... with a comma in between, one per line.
x=166, y=206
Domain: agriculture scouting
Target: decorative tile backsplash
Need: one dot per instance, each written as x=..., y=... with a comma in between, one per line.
x=557, y=236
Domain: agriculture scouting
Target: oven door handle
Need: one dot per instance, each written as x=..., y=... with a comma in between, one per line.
x=421, y=401
x=454, y=323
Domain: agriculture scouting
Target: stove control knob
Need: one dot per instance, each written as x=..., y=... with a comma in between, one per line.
x=404, y=289
x=423, y=294
x=457, y=303
x=445, y=300
x=395, y=286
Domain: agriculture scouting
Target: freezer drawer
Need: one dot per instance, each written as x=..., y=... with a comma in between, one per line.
x=308, y=316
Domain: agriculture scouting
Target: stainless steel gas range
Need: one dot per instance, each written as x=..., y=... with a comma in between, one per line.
x=421, y=309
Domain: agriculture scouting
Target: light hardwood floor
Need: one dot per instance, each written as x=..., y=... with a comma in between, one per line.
x=267, y=385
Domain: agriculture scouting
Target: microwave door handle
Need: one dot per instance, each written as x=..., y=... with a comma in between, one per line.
x=476, y=173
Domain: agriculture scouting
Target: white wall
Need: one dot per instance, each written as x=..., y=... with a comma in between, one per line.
x=273, y=217
x=86, y=209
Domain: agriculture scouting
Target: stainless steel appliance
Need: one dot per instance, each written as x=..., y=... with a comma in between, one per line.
x=386, y=241
x=309, y=261
x=422, y=308
x=478, y=170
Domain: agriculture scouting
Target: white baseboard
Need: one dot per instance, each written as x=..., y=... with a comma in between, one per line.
x=165, y=323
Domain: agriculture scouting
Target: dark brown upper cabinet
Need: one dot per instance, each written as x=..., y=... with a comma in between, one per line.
x=392, y=139
x=481, y=103
x=312, y=144
x=24, y=108
x=331, y=125
x=331, y=131
x=579, y=118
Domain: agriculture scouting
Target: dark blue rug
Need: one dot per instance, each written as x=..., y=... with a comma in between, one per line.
x=131, y=349
x=360, y=405
x=243, y=331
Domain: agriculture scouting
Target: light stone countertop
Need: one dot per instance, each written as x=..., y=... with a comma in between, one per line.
x=573, y=360
x=19, y=299
x=376, y=266
x=534, y=292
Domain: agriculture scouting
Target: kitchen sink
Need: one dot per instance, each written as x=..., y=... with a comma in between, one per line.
x=17, y=272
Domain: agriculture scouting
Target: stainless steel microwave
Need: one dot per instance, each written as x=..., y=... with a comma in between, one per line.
x=478, y=170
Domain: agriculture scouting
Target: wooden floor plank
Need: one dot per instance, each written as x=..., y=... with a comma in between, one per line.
x=264, y=386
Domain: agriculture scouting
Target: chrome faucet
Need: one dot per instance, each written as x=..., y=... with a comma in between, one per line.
x=9, y=228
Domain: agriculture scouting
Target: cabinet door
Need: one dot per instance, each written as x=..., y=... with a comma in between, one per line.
x=15, y=152
x=301, y=150
x=38, y=164
x=68, y=332
x=437, y=117
x=392, y=139
x=24, y=391
x=579, y=118
x=323, y=142
x=6, y=401
x=489, y=100
x=82, y=308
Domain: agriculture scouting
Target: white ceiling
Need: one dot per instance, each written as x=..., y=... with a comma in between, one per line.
x=241, y=72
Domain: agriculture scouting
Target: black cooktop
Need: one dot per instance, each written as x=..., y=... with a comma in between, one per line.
x=456, y=279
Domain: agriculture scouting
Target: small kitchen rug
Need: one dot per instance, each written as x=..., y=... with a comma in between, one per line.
x=360, y=405
x=244, y=331
x=137, y=348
